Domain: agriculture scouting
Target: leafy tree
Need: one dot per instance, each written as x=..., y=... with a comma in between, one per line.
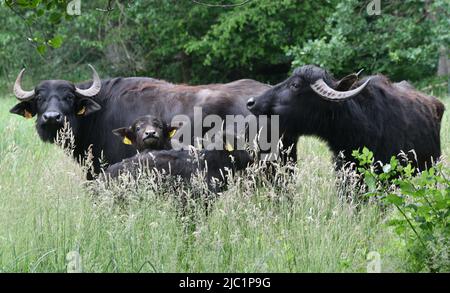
x=251, y=40
x=42, y=37
x=183, y=41
x=403, y=42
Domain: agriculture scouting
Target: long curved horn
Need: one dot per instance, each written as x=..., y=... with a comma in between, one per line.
x=326, y=92
x=19, y=92
x=95, y=87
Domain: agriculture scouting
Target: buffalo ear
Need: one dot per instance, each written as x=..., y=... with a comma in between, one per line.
x=25, y=109
x=346, y=83
x=86, y=106
x=126, y=134
x=171, y=129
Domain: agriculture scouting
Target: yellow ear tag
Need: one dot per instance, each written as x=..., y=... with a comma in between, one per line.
x=229, y=147
x=82, y=111
x=172, y=133
x=126, y=140
x=27, y=114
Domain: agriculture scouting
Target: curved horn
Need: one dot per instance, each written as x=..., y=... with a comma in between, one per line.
x=359, y=72
x=326, y=92
x=95, y=87
x=19, y=92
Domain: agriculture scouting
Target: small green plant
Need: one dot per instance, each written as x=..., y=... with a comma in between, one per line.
x=422, y=200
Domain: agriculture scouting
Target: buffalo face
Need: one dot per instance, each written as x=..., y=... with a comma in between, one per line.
x=147, y=133
x=55, y=102
x=298, y=99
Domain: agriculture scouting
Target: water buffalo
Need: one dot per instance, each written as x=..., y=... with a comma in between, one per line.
x=214, y=163
x=387, y=118
x=147, y=133
x=93, y=109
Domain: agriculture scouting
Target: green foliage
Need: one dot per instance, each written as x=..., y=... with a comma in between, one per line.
x=46, y=47
x=423, y=203
x=182, y=41
x=402, y=42
x=251, y=40
x=48, y=12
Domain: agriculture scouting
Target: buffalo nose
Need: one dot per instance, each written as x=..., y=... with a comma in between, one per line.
x=251, y=103
x=150, y=133
x=52, y=117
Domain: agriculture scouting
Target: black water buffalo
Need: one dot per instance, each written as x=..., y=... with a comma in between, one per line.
x=93, y=109
x=387, y=118
x=147, y=133
x=214, y=163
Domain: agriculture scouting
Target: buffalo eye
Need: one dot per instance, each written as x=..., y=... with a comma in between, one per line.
x=138, y=128
x=67, y=98
x=295, y=85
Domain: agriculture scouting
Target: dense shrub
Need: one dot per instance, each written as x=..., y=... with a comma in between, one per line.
x=423, y=204
x=402, y=42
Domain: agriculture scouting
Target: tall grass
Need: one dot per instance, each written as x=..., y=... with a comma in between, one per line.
x=305, y=224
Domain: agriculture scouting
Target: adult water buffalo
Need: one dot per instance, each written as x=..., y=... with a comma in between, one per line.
x=93, y=109
x=348, y=114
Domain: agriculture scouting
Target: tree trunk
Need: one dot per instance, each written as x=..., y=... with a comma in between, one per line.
x=444, y=62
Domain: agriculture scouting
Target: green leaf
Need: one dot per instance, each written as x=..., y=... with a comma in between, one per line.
x=407, y=188
x=23, y=3
x=394, y=199
x=393, y=162
x=55, y=17
x=42, y=48
x=370, y=181
x=355, y=153
x=56, y=42
x=365, y=151
x=400, y=229
x=371, y=194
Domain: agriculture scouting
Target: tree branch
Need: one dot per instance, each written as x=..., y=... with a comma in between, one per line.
x=221, y=5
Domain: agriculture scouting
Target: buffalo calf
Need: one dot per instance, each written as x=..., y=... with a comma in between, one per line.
x=147, y=133
x=182, y=163
x=152, y=138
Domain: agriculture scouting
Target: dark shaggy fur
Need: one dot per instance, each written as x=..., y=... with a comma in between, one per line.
x=182, y=163
x=386, y=118
x=121, y=101
x=147, y=133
